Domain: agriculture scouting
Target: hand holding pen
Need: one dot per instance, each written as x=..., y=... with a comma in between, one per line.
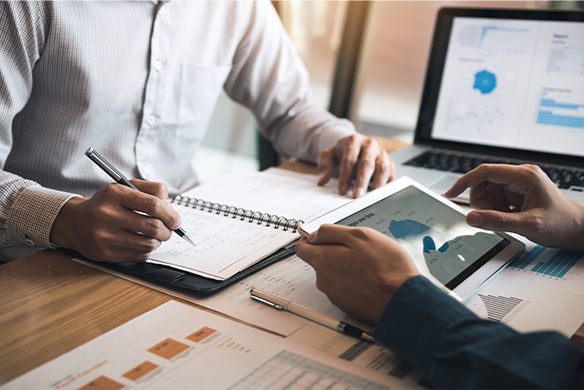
x=106, y=227
x=121, y=179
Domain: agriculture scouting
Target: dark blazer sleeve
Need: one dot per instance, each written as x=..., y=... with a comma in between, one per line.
x=454, y=348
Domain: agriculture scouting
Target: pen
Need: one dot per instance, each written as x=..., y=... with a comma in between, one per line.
x=121, y=179
x=282, y=304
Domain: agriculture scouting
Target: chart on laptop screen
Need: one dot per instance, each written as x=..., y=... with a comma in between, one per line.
x=513, y=83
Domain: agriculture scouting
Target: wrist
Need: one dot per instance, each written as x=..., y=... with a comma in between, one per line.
x=65, y=223
x=395, y=282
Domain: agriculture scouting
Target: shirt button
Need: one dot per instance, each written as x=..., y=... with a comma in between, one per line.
x=151, y=119
x=29, y=242
x=158, y=65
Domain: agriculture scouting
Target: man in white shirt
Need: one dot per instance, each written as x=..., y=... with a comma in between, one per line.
x=138, y=82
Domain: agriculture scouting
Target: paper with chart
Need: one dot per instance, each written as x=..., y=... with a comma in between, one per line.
x=227, y=245
x=176, y=346
x=291, y=279
x=374, y=357
x=513, y=83
x=543, y=289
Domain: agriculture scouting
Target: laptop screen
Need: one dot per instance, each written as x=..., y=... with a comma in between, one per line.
x=511, y=83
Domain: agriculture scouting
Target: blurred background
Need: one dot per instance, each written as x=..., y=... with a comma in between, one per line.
x=367, y=62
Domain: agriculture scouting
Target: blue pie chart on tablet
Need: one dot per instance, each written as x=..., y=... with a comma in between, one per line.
x=485, y=81
x=407, y=228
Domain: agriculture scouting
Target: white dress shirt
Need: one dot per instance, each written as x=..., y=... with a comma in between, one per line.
x=138, y=82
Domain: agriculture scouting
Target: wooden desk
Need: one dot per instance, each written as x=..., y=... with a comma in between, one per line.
x=50, y=305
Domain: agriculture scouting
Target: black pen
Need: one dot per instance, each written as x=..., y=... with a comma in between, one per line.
x=121, y=179
x=282, y=304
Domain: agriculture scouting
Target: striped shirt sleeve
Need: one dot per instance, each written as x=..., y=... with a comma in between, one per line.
x=27, y=210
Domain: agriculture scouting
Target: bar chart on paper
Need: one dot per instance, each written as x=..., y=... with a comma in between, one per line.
x=530, y=302
x=501, y=308
x=554, y=263
x=562, y=268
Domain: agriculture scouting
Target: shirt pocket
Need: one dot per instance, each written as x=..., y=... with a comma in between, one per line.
x=199, y=90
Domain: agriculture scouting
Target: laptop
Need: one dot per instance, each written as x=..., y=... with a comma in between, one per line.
x=502, y=86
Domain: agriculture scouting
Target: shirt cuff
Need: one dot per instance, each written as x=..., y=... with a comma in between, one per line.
x=415, y=318
x=32, y=214
x=340, y=129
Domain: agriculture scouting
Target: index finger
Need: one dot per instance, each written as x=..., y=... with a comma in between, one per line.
x=494, y=173
x=153, y=206
x=330, y=235
x=365, y=168
x=349, y=160
x=318, y=256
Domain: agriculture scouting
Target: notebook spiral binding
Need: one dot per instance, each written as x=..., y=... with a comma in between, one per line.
x=235, y=212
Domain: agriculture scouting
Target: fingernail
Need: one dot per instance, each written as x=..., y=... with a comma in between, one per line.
x=474, y=219
x=177, y=224
x=358, y=192
x=321, y=178
x=344, y=189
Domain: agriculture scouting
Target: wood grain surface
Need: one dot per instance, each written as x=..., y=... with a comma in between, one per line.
x=50, y=305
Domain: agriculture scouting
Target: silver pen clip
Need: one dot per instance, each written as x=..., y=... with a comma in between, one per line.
x=266, y=302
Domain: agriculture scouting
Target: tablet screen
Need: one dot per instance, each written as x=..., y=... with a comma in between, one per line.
x=444, y=247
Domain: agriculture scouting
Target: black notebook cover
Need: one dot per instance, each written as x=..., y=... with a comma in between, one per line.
x=186, y=282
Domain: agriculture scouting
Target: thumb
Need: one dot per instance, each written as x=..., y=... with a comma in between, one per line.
x=497, y=220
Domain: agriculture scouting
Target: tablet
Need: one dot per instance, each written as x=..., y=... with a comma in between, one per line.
x=455, y=256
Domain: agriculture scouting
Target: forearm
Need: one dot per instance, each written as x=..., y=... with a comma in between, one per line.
x=456, y=349
x=269, y=77
x=309, y=132
x=27, y=211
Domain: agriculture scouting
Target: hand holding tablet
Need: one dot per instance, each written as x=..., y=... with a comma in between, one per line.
x=456, y=257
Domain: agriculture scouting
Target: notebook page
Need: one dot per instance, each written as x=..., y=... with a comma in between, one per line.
x=224, y=245
x=271, y=193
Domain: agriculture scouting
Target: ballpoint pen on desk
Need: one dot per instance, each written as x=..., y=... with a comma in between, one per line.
x=121, y=179
x=282, y=304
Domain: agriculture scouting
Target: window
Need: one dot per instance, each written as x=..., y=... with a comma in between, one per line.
x=315, y=28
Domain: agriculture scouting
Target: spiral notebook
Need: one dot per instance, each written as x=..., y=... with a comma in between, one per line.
x=240, y=219
x=241, y=223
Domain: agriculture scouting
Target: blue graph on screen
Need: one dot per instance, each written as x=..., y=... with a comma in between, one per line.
x=407, y=228
x=571, y=114
x=557, y=266
x=490, y=30
x=485, y=81
x=445, y=259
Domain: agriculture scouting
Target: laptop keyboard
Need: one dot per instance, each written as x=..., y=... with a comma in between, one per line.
x=564, y=178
